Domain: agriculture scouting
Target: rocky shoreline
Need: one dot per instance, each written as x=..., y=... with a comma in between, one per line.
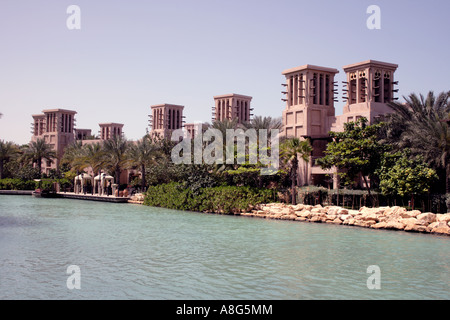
x=392, y=218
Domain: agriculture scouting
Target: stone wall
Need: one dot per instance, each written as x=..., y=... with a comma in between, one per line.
x=394, y=218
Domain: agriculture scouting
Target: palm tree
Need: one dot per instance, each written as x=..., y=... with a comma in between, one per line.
x=264, y=123
x=7, y=151
x=116, y=153
x=93, y=156
x=38, y=150
x=268, y=123
x=143, y=153
x=420, y=125
x=226, y=124
x=73, y=155
x=290, y=150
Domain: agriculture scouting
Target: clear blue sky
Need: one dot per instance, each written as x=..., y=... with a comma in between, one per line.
x=132, y=54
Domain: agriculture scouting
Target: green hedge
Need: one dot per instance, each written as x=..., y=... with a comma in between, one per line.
x=20, y=184
x=17, y=184
x=223, y=199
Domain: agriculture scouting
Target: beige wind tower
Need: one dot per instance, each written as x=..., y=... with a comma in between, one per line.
x=165, y=118
x=309, y=93
x=232, y=106
x=369, y=87
x=56, y=127
x=110, y=130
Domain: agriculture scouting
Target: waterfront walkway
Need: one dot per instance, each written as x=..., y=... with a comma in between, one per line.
x=95, y=197
x=71, y=195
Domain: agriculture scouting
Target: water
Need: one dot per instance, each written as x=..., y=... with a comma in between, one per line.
x=134, y=252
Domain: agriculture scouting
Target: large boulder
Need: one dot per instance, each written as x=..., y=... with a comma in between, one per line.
x=395, y=224
x=394, y=211
x=426, y=218
x=410, y=214
x=288, y=217
x=305, y=214
x=298, y=207
x=370, y=217
x=443, y=217
x=316, y=218
x=379, y=225
x=335, y=221
x=333, y=210
x=409, y=222
x=441, y=228
x=349, y=221
x=366, y=211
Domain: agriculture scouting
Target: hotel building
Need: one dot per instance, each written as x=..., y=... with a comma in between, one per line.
x=165, y=118
x=310, y=93
x=232, y=106
x=56, y=127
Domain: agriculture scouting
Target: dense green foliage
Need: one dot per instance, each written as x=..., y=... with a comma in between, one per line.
x=402, y=175
x=356, y=151
x=222, y=199
x=421, y=124
x=17, y=184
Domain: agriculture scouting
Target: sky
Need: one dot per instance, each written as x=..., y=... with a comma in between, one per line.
x=129, y=55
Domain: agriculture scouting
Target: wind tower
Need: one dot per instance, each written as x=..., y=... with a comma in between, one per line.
x=369, y=87
x=232, y=106
x=165, y=118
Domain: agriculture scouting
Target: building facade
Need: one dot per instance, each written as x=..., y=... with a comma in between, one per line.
x=310, y=93
x=56, y=128
x=110, y=130
x=165, y=118
x=232, y=106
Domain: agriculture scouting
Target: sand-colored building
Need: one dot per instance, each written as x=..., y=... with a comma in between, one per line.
x=232, y=106
x=165, y=118
x=310, y=93
x=56, y=127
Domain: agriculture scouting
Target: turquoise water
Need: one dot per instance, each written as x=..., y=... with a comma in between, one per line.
x=134, y=252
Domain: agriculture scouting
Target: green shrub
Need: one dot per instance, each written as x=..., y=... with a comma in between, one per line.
x=223, y=199
x=17, y=184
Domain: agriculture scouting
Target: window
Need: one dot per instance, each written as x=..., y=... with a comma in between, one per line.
x=377, y=86
x=321, y=88
x=352, y=88
x=362, y=86
x=387, y=87
x=301, y=92
x=291, y=91
x=313, y=88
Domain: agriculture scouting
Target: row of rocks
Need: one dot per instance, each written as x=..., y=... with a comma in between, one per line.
x=137, y=198
x=394, y=218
